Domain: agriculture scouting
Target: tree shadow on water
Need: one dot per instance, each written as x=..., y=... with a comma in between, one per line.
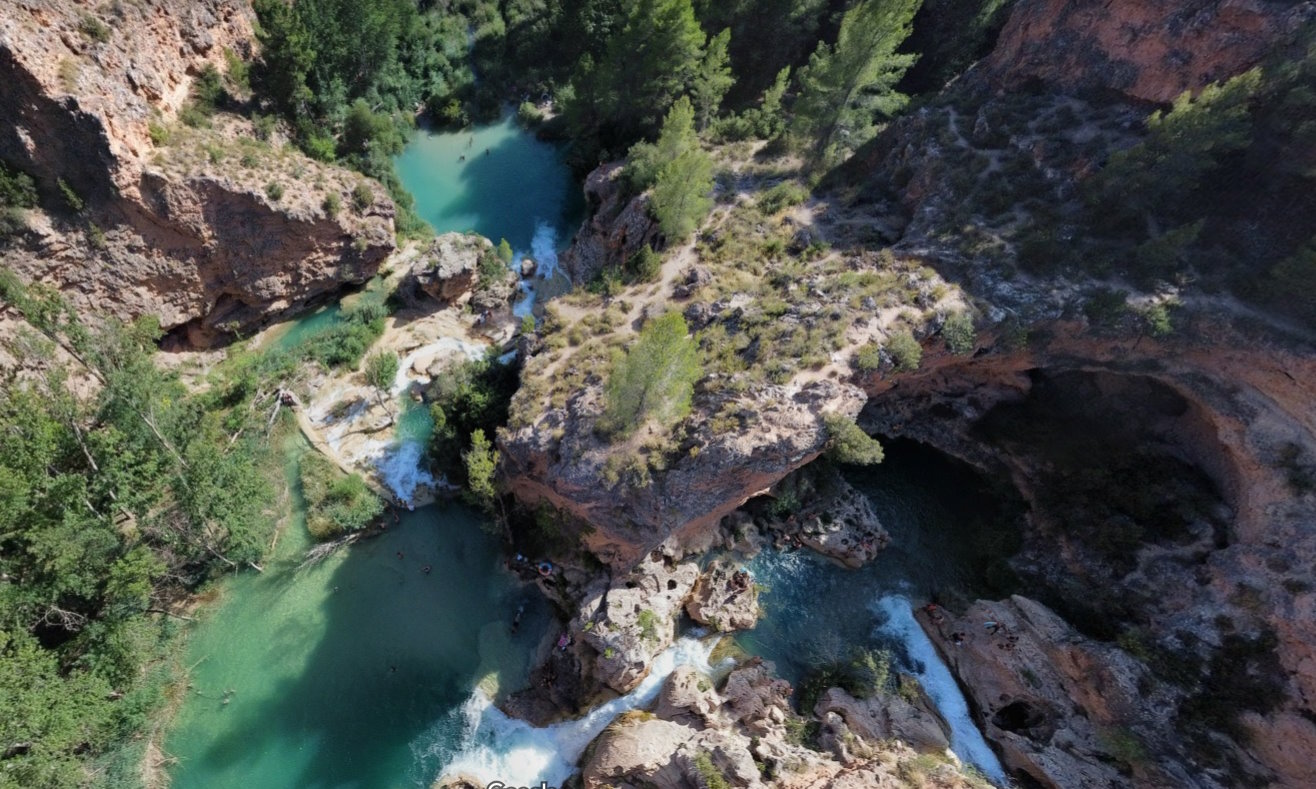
x=398, y=650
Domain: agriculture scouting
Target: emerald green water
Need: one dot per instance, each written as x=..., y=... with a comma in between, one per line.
x=496, y=180
x=353, y=672
x=334, y=675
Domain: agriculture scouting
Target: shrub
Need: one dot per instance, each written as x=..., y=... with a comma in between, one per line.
x=906, y=353
x=71, y=198
x=94, y=29
x=331, y=204
x=648, y=622
x=848, y=443
x=362, y=197
x=782, y=196
x=17, y=190
x=492, y=270
x=274, y=190
x=654, y=379
x=159, y=134
x=529, y=116
x=868, y=358
x=645, y=265
x=335, y=502
x=959, y=334
x=710, y=776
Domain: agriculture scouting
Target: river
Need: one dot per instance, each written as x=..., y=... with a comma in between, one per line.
x=379, y=666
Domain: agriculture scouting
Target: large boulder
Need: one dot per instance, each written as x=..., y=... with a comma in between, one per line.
x=446, y=271
x=630, y=621
x=725, y=598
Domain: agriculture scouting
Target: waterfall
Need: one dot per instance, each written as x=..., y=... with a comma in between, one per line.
x=497, y=747
x=543, y=250
x=965, y=740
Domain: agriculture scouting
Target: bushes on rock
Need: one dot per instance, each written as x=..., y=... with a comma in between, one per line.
x=336, y=503
x=959, y=334
x=848, y=443
x=906, y=354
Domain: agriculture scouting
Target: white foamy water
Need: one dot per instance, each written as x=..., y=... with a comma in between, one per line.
x=543, y=250
x=441, y=347
x=497, y=747
x=966, y=741
x=401, y=470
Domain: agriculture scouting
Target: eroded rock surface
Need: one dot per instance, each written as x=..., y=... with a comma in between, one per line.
x=632, y=620
x=1150, y=51
x=724, y=598
x=617, y=226
x=561, y=460
x=210, y=230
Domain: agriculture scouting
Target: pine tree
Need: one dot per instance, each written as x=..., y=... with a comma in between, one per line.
x=681, y=192
x=713, y=79
x=847, y=86
x=648, y=64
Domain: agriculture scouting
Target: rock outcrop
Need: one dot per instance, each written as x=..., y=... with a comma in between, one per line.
x=616, y=228
x=725, y=598
x=1148, y=51
x=561, y=460
x=746, y=735
x=446, y=270
x=629, y=622
x=209, y=229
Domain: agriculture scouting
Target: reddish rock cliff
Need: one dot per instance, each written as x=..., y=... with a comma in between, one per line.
x=1149, y=51
x=192, y=229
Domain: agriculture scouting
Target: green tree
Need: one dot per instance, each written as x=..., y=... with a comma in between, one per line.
x=650, y=62
x=1183, y=145
x=481, y=466
x=847, y=86
x=713, y=78
x=654, y=380
x=848, y=443
x=381, y=370
x=684, y=183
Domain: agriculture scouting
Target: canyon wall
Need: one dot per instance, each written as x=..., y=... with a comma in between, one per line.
x=1146, y=51
x=207, y=227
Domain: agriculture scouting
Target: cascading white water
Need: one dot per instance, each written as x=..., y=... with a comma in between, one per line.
x=966, y=741
x=543, y=250
x=497, y=747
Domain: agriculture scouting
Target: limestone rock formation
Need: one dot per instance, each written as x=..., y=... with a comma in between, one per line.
x=446, y=270
x=887, y=716
x=724, y=598
x=211, y=230
x=1149, y=51
x=631, y=621
x=817, y=507
x=560, y=459
x=746, y=735
x=615, y=229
